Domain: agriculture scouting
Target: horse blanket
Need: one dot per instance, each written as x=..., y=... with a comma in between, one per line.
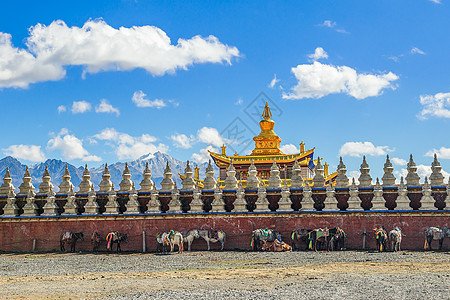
x=437, y=233
x=67, y=235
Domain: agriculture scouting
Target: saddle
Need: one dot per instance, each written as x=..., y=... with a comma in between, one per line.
x=67, y=235
x=322, y=233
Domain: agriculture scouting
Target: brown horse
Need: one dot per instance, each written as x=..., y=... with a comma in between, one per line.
x=71, y=239
x=95, y=241
x=300, y=239
x=115, y=238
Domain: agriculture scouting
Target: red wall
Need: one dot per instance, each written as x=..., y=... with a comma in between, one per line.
x=18, y=234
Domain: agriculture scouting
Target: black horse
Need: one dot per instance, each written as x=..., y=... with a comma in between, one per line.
x=435, y=233
x=70, y=238
x=260, y=235
x=382, y=237
x=300, y=239
x=336, y=239
x=115, y=238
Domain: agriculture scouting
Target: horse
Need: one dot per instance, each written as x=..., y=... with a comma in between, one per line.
x=336, y=239
x=260, y=235
x=115, y=238
x=95, y=241
x=275, y=246
x=175, y=238
x=213, y=236
x=435, y=233
x=189, y=237
x=395, y=237
x=381, y=237
x=70, y=238
x=318, y=239
x=162, y=241
x=300, y=236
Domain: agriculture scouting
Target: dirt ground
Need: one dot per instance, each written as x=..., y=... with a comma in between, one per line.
x=238, y=275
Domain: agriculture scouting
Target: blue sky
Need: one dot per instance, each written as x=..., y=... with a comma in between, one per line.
x=101, y=82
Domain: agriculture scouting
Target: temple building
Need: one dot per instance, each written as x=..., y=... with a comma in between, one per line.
x=267, y=149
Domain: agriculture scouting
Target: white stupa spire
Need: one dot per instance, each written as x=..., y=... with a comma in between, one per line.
x=106, y=185
x=364, y=179
x=412, y=179
x=46, y=187
x=436, y=177
x=86, y=186
x=296, y=178
x=26, y=185
x=388, y=176
x=231, y=182
x=7, y=185
x=126, y=185
x=252, y=179
x=341, y=178
x=147, y=184
x=274, y=179
x=188, y=182
x=167, y=184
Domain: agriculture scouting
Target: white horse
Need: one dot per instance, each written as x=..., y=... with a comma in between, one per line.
x=189, y=237
x=175, y=238
x=162, y=240
x=217, y=236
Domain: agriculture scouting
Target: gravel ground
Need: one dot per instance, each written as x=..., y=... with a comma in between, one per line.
x=238, y=275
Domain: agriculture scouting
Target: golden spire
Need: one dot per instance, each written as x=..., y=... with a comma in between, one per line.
x=224, y=149
x=196, y=172
x=267, y=142
x=267, y=114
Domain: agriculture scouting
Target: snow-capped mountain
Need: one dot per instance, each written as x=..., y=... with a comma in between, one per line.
x=157, y=163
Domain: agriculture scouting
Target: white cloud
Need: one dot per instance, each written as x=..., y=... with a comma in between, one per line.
x=239, y=102
x=319, y=53
x=436, y=1
x=61, y=109
x=26, y=152
x=140, y=101
x=332, y=24
x=203, y=155
x=443, y=153
x=289, y=149
x=211, y=136
x=435, y=106
x=80, y=107
x=174, y=103
x=399, y=161
x=19, y=68
x=328, y=23
x=99, y=47
x=422, y=171
x=318, y=80
x=415, y=50
x=106, y=107
x=70, y=146
x=130, y=147
x=273, y=82
x=182, y=141
x=358, y=149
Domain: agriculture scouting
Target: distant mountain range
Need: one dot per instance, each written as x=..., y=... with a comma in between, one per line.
x=157, y=163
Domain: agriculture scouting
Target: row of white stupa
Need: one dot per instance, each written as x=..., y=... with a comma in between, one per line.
x=106, y=187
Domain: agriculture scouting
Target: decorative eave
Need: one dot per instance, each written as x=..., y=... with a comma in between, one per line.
x=224, y=160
